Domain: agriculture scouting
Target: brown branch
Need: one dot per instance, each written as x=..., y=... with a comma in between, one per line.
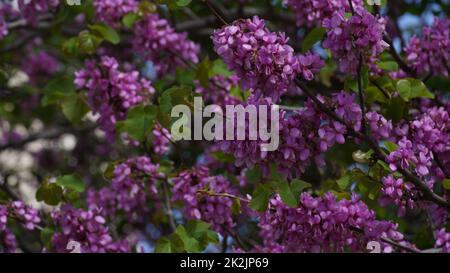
x=379, y=153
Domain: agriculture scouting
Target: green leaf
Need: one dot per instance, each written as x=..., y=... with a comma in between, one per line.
x=374, y=94
x=388, y=65
x=410, y=88
x=46, y=236
x=74, y=108
x=446, y=184
x=183, y=3
x=203, y=71
x=261, y=196
x=390, y=146
x=237, y=92
x=193, y=237
x=57, y=89
x=72, y=182
x=88, y=42
x=236, y=207
x=50, y=193
x=290, y=192
x=253, y=175
x=106, y=32
x=197, y=228
x=190, y=243
x=396, y=109
x=223, y=157
x=219, y=68
x=164, y=245
x=129, y=19
x=313, y=37
x=139, y=122
x=362, y=157
x=343, y=182
x=173, y=96
x=71, y=46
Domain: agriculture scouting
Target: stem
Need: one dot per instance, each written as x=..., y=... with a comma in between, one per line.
x=215, y=11
x=225, y=244
x=398, y=59
x=385, y=93
x=352, y=9
x=223, y=195
x=361, y=94
x=389, y=241
x=168, y=205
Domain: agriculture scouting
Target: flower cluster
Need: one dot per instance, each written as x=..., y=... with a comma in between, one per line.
x=133, y=184
x=201, y=196
x=86, y=228
x=8, y=243
x=218, y=90
x=3, y=217
x=26, y=215
x=315, y=11
x=429, y=54
x=262, y=59
x=422, y=140
x=161, y=140
x=360, y=36
x=112, y=11
x=156, y=41
x=397, y=192
x=111, y=93
x=443, y=240
x=323, y=224
x=32, y=9
x=6, y=12
x=380, y=127
x=304, y=135
x=40, y=67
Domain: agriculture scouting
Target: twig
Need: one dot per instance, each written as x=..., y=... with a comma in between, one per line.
x=168, y=206
x=361, y=93
x=398, y=59
x=389, y=241
x=380, y=154
x=215, y=11
x=223, y=195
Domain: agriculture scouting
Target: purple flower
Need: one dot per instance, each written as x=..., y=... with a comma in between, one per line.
x=313, y=12
x=380, y=127
x=8, y=242
x=324, y=224
x=397, y=192
x=429, y=53
x=40, y=67
x=262, y=59
x=156, y=41
x=133, y=185
x=88, y=228
x=27, y=215
x=361, y=34
x=443, y=240
x=112, y=11
x=31, y=9
x=111, y=93
x=207, y=206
